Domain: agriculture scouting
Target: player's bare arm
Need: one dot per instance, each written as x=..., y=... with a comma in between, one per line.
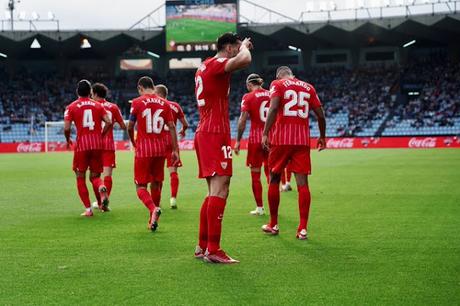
x=175, y=148
x=131, y=132
x=184, y=128
x=67, y=125
x=107, y=125
x=241, y=127
x=242, y=59
x=271, y=118
x=319, y=113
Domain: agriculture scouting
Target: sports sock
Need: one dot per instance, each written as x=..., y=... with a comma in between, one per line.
x=283, y=177
x=288, y=176
x=203, y=231
x=267, y=172
x=257, y=188
x=156, y=194
x=96, y=182
x=108, y=183
x=83, y=191
x=216, y=207
x=174, y=184
x=273, y=202
x=304, y=206
x=146, y=198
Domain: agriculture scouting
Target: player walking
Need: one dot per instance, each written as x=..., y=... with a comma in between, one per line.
x=212, y=139
x=254, y=106
x=88, y=116
x=108, y=145
x=151, y=113
x=178, y=114
x=291, y=100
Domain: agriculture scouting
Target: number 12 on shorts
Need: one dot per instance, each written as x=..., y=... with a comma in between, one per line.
x=227, y=152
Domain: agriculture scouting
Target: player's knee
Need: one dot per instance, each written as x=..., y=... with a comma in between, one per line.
x=80, y=174
x=275, y=178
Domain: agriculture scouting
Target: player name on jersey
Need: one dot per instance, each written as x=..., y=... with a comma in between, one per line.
x=256, y=103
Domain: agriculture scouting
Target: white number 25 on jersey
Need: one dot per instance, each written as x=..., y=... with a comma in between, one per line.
x=300, y=99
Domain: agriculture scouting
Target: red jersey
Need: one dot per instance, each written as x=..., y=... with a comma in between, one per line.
x=88, y=117
x=115, y=115
x=177, y=113
x=212, y=86
x=151, y=114
x=256, y=103
x=292, y=126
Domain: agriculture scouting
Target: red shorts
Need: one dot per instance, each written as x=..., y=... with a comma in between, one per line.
x=149, y=169
x=297, y=157
x=169, y=162
x=92, y=159
x=257, y=156
x=108, y=159
x=214, y=154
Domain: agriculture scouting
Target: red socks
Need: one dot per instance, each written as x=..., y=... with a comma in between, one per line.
x=96, y=182
x=283, y=177
x=146, y=198
x=83, y=191
x=156, y=194
x=304, y=206
x=174, y=184
x=203, y=232
x=216, y=207
x=288, y=175
x=257, y=188
x=267, y=172
x=273, y=202
x=108, y=183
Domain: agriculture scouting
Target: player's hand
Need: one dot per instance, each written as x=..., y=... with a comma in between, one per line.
x=69, y=144
x=247, y=43
x=181, y=134
x=265, y=143
x=321, y=144
x=236, y=148
x=175, y=157
x=133, y=145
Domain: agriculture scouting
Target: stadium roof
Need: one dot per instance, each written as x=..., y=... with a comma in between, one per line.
x=428, y=30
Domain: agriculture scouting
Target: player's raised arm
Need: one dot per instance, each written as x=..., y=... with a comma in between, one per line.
x=319, y=113
x=271, y=118
x=241, y=127
x=242, y=59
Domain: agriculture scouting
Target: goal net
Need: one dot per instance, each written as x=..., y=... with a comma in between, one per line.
x=54, y=134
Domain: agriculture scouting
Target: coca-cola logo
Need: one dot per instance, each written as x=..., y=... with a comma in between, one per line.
x=29, y=147
x=186, y=145
x=427, y=142
x=338, y=143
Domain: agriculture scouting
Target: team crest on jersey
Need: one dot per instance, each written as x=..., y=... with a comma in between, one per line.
x=224, y=165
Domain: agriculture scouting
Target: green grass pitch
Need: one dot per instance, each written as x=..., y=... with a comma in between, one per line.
x=384, y=230
x=188, y=30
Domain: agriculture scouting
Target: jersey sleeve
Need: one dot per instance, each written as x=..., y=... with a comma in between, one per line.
x=218, y=66
x=276, y=90
x=245, y=104
x=314, y=99
x=68, y=114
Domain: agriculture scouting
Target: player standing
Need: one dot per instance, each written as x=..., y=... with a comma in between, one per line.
x=212, y=139
x=254, y=106
x=178, y=114
x=291, y=100
x=108, y=145
x=151, y=113
x=88, y=116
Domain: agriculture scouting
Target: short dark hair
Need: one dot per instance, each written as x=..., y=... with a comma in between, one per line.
x=100, y=90
x=225, y=39
x=83, y=88
x=146, y=82
x=162, y=90
x=282, y=69
x=254, y=79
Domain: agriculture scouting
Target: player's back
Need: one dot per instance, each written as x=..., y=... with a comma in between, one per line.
x=292, y=125
x=114, y=113
x=151, y=114
x=176, y=111
x=88, y=117
x=212, y=86
x=256, y=103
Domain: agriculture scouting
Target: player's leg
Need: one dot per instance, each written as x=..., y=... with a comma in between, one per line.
x=257, y=191
x=83, y=193
x=142, y=177
x=301, y=166
x=108, y=159
x=155, y=190
x=100, y=191
x=287, y=185
x=174, y=181
x=283, y=180
x=203, y=227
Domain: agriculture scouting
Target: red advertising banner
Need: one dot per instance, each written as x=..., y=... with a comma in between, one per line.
x=332, y=143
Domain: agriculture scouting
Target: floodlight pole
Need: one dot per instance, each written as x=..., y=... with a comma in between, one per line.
x=11, y=4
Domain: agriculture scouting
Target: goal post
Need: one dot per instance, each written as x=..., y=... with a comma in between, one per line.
x=54, y=132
